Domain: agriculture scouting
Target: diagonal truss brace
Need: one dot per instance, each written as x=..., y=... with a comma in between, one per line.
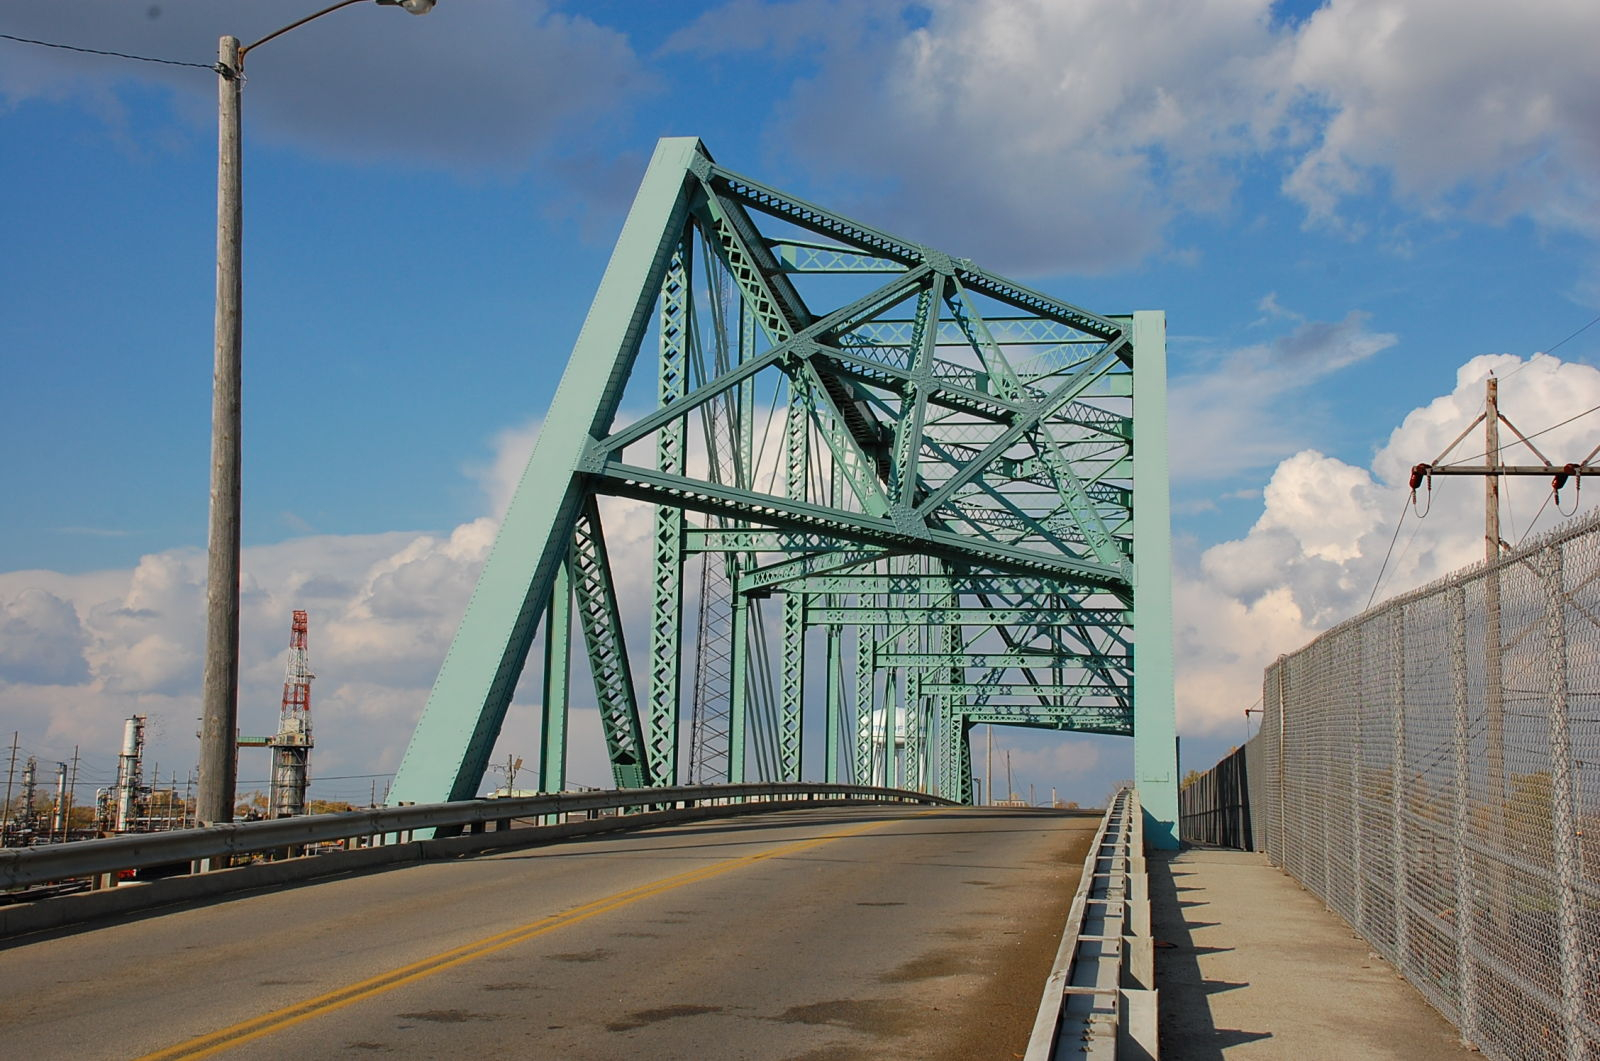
x=608, y=652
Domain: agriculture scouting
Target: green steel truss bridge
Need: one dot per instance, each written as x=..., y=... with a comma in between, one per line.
x=839, y=496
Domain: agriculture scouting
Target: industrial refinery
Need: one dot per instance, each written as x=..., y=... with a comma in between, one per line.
x=40, y=809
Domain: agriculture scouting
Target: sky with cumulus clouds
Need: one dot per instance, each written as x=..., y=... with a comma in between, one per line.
x=1351, y=211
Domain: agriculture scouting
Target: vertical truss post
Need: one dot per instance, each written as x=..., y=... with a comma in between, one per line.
x=745, y=409
x=792, y=661
x=557, y=684
x=739, y=683
x=833, y=725
x=792, y=677
x=888, y=763
x=1155, y=729
x=914, y=396
x=666, y=618
x=948, y=641
x=914, y=723
x=866, y=670
x=608, y=653
x=958, y=754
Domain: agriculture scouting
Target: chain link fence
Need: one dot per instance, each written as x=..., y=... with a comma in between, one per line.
x=1431, y=769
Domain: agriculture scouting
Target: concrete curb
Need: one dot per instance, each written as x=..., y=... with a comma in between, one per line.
x=83, y=908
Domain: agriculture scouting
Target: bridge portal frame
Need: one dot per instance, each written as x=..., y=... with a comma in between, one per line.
x=1093, y=550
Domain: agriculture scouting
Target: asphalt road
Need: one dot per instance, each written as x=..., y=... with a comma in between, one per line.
x=821, y=935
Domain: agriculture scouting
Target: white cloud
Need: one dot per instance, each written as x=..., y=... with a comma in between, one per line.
x=1314, y=555
x=1090, y=126
x=82, y=652
x=1081, y=154
x=1480, y=105
x=41, y=640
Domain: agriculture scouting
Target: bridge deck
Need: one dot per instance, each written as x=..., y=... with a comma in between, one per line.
x=1259, y=968
x=852, y=933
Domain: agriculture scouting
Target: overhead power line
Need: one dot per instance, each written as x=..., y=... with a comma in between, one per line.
x=99, y=51
x=1574, y=335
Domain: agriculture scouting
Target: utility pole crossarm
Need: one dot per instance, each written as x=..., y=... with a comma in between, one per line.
x=1509, y=469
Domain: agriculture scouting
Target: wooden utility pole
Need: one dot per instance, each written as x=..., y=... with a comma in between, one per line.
x=1493, y=684
x=72, y=791
x=11, y=772
x=219, y=724
x=1492, y=470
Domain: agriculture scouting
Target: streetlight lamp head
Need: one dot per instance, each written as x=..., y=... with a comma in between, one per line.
x=416, y=7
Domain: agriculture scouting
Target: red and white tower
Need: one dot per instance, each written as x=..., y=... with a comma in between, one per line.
x=291, y=746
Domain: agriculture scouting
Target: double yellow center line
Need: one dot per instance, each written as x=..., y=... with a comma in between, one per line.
x=267, y=1024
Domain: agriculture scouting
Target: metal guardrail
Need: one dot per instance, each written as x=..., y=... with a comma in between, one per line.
x=23, y=867
x=1100, y=999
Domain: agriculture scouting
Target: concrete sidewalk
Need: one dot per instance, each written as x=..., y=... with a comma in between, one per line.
x=1251, y=966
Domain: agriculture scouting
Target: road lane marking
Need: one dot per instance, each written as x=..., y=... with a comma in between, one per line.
x=268, y=1023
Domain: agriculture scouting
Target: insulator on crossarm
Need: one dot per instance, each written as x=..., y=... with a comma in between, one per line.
x=1419, y=474
x=1560, y=479
x=1570, y=471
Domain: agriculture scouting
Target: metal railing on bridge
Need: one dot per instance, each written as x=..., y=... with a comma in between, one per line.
x=1100, y=998
x=22, y=867
x=1432, y=771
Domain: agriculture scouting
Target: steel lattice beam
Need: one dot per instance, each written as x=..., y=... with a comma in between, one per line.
x=956, y=484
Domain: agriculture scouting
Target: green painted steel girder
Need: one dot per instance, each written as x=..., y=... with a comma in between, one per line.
x=875, y=582
x=645, y=484
x=860, y=615
x=1016, y=659
x=961, y=480
x=1074, y=691
x=1088, y=724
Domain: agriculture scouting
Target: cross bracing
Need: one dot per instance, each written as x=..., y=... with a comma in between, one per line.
x=953, y=485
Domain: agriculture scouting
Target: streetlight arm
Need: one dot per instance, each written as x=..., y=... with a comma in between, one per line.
x=416, y=7
x=296, y=25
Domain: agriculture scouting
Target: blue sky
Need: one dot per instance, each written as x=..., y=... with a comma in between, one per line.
x=1344, y=209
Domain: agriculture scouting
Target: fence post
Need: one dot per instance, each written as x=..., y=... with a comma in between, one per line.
x=1466, y=991
x=1357, y=683
x=1282, y=811
x=1397, y=648
x=1321, y=722
x=1562, y=797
